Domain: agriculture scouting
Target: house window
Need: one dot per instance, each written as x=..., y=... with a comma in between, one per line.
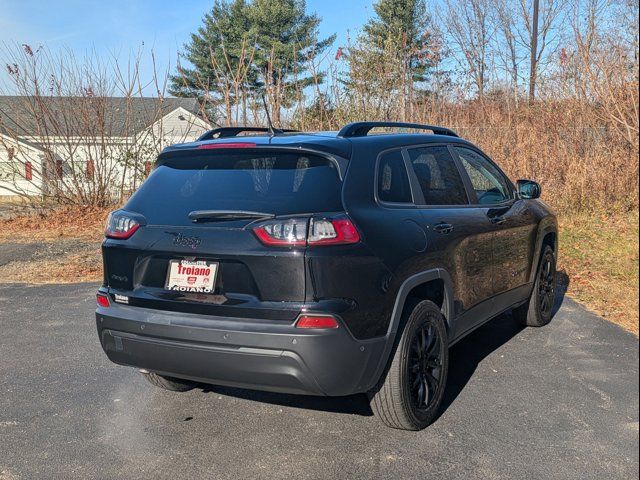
x=59, y=168
x=90, y=168
x=28, y=171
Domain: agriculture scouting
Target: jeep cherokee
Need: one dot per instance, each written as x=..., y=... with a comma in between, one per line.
x=322, y=263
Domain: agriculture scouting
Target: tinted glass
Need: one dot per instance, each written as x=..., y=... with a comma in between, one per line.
x=490, y=185
x=278, y=183
x=393, y=181
x=438, y=176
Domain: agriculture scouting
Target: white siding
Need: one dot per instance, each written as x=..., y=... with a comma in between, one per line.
x=179, y=126
x=111, y=159
x=13, y=158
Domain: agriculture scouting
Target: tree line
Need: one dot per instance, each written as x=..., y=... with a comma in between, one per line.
x=557, y=103
x=409, y=51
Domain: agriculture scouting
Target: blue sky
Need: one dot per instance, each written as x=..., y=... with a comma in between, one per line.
x=121, y=27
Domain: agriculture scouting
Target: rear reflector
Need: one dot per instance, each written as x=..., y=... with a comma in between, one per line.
x=316, y=321
x=103, y=300
x=212, y=146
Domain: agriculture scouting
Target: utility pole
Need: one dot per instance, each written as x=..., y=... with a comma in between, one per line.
x=534, y=52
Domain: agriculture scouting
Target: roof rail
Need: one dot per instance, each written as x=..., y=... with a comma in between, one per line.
x=361, y=129
x=228, y=132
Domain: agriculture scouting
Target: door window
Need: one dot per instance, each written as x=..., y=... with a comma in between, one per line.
x=489, y=183
x=438, y=176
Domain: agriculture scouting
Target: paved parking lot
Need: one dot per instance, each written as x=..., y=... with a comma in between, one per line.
x=557, y=402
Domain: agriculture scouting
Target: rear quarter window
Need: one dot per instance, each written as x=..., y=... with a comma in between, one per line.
x=393, y=181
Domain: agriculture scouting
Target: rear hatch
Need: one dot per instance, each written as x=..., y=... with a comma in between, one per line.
x=198, y=220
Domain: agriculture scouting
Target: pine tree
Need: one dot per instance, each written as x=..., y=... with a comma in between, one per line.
x=287, y=40
x=401, y=37
x=269, y=42
x=220, y=55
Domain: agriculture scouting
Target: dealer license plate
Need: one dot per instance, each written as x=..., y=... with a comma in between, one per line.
x=192, y=276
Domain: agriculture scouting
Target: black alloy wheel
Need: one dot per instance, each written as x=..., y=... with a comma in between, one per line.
x=425, y=366
x=547, y=285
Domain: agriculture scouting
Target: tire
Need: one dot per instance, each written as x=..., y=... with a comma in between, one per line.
x=538, y=310
x=168, y=383
x=397, y=400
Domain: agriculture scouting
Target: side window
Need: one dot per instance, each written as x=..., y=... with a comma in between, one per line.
x=393, y=181
x=438, y=176
x=488, y=182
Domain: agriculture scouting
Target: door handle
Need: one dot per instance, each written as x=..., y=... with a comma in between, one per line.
x=443, y=228
x=497, y=220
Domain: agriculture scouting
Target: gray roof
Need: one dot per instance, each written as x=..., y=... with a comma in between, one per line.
x=80, y=116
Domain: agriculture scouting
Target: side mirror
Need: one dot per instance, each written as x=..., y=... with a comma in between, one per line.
x=528, y=189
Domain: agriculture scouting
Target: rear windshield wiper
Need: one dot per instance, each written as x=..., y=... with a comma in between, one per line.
x=213, y=215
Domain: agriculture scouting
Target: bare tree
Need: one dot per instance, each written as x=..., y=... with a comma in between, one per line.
x=78, y=131
x=470, y=30
x=533, y=69
x=539, y=18
x=506, y=43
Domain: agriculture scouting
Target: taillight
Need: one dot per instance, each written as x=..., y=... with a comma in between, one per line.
x=292, y=232
x=316, y=321
x=103, y=300
x=337, y=231
x=121, y=225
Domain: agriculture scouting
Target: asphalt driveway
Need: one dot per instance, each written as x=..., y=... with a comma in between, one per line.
x=557, y=402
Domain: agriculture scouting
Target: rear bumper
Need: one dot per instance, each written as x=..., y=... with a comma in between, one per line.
x=239, y=353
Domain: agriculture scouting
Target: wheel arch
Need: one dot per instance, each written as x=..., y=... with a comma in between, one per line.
x=550, y=238
x=547, y=235
x=437, y=284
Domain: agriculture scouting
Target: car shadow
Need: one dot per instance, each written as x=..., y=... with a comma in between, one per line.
x=464, y=358
x=466, y=355
x=562, y=285
x=351, y=405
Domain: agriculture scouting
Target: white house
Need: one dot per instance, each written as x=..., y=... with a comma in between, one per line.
x=79, y=144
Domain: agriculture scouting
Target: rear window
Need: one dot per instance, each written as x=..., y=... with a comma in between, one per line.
x=278, y=183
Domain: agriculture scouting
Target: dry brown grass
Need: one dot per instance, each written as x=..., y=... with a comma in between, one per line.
x=599, y=254
x=80, y=223
x=71, y=268
x=582, y=163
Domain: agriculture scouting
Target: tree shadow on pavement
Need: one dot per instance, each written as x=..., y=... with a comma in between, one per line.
x=464, y=358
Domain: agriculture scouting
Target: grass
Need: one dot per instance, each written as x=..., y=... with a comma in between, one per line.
x=598, y=256
x=77, y=223
x=70, y=268
x=81, y=229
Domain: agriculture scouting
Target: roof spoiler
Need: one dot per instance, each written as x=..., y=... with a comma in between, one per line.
x=228, y=132
x=362, y=129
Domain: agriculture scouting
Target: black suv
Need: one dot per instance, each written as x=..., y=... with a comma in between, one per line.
x=322, y=263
